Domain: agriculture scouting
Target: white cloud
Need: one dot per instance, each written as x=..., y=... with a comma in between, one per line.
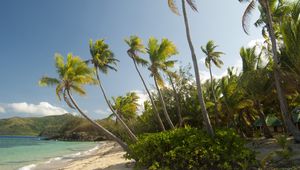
x=106, y=112
x=238, y=65
x=261, y=45
x=2, y=110
x=41, y=109
x=202, y=60
x=257, y=42
x=204, y=75
x=143, y=96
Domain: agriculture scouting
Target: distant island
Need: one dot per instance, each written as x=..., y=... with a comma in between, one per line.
x=61, y=127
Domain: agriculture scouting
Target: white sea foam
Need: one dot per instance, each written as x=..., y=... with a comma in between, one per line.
x=91, y=150
x=28, y=167
x=65, y=158
x=53, y=159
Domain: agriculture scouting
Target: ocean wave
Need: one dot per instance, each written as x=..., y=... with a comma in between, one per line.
x=65, y=158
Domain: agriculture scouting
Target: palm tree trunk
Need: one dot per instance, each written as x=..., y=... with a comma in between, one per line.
x=107, y=133
x=116, y=114
x=163, y=105
x=281, y=97
x=151, y=99
x=206, y=119
x=262, y=116
x=177, y=102
x=248, y=129
x=214, y=95
x=250, y=118
x=228, y=112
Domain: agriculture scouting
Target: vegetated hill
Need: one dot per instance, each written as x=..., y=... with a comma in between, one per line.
x=65, y=127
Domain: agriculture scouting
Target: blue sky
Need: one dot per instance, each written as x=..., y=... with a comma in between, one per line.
x=32, y=31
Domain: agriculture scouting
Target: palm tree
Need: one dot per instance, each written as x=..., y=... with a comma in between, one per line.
x=255, y=83
x=249, y=59
x=265, y=5
x=159, y=55
x=290, y=51
x=233, y=101
x=135, y=47
x=212, y=56
x=171, y=76
x=126, y=106
x=279, y=9
x=72, y=75
x=103, y=59
x=291, y=38
x=174, y=8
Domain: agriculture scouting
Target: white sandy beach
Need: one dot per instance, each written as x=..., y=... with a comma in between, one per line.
x=108, y=157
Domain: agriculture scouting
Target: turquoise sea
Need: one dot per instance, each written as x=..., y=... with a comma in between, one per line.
x=25, y=153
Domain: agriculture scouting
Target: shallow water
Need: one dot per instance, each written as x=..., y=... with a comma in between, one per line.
x=27, y=152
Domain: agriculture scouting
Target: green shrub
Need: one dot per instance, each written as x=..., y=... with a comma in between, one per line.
x=190, y=148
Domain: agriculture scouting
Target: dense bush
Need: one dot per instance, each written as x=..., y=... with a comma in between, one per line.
x=190, y=148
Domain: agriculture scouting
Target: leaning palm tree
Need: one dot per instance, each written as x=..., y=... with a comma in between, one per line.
x=126, y=106
x=103, y=59
x=159, y=55
x=212, y=56
x=265, y=5
x=72, y=75
x=171, y=76
x=135, y=47
x=174, y=8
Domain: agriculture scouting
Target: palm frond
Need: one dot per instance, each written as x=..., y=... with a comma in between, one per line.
x=59, y=61
x=217, y=62
x=79, y=90
x=246, y=16
x=152, y=48
x=135, y=44
x=172, y=74
x=159, y=80
x=192, y=4
x=170, y=63
x=48, y=81
x=59, y=90
x=166, y=49
x=111, y=67
x=141, y=61
x=173, y=7
x=207, y=62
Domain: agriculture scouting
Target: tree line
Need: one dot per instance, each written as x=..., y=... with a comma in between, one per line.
x=268, y=83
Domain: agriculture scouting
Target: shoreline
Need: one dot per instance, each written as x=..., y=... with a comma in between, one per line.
x=107, y=155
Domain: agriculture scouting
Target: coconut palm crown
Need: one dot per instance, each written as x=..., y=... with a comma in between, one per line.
x=212, y=55
x=136, y=46
x=159, y=55
x=72, y=76
x=102, y=57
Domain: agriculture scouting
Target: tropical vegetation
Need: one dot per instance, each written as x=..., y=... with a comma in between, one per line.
x=174, y=129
